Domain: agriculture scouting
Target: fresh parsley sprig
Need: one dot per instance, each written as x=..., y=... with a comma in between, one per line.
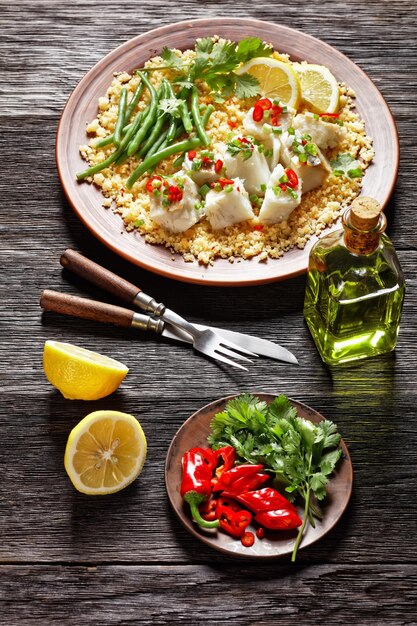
x=346, y=165
x=216, y=63
x=301, y=454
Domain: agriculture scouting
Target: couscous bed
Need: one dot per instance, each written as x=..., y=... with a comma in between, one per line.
x=318, y=209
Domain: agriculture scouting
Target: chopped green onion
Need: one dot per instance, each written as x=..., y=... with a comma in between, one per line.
x=203, y=191
x=291, y=131
x=138, y=223
x=228, y=188
x=263, y=187
x=253, y=198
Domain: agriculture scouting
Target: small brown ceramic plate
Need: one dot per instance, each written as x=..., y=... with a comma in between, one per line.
x=108, y=227
x=277, y=544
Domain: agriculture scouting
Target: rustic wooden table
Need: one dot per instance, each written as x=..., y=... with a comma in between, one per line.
x=126, y=559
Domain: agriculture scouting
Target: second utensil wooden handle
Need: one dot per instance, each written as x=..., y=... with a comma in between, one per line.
x=98, y=275
x=85, y=309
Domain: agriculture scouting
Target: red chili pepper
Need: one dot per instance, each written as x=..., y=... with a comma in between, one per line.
x=231, y=517
x=227, y=454
x=246, y=483
x=274, y=120
x=174, y=193
x=192, y=154
x=329, y=114
x=292, y=179
x=232, y=124
x=248, y=539
x=208, y=509
x=222, y=182
x=206, y=161
x=260, y=532
x=228, y=478
x=266, y=499
x=281, y=519
x=149, y=186
x=197, y=469
x=258, y=227
x=218, y=166
x=276, y=109
x=283, y=186
x=264, y=103
x=257, y=114
x=243, y=140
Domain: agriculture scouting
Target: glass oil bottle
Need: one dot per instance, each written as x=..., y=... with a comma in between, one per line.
x=355, y=288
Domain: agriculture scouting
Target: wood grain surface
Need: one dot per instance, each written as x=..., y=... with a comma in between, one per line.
x=125, y=559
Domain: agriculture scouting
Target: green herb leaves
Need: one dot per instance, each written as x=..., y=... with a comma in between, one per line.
x=301, y=454
x=346, y=165
x=215, y=63
x=238, y=147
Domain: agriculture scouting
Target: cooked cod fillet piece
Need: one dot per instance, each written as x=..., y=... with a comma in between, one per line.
x=303, y=156
x=324, y=134
x=201, y=166
x=228, y=203
x=176, y=205
x=281, y=198
x=262, y=129
x=243, y=159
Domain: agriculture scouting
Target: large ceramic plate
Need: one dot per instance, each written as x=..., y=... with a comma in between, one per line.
x=275, y=544
x=108, y=227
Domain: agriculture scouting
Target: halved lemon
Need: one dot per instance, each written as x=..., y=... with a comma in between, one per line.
x=81, y=374
x=276, y=79
x=319, y=88
x=105, y=452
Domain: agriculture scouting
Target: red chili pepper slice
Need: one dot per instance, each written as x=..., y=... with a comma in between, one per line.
x=208, y=509
x=283, y=186
x=226, y=503
x=192, y=154
x=218, y=166
x=248, y=539
x=276, y=110
x=266, y=499
x=274, y=120
x=228, y=478
x=149, y=185
x=329, y=114
x=246, y=483
x=234, y=522
x=243, y=140
x=258, y=227
x=174, y=193
x=260, y=532
x=197, y=470
x=206, y=161
x=282, y=519
x=257, y=114
x=292, y=179
x=264, y=103
x=232, y=124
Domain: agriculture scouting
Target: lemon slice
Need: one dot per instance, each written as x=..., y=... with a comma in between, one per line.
x=319, y=88
x=80, y=374
x=276, y=79
x=105, y=452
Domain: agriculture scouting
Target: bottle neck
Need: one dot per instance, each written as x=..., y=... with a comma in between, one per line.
x=362, y=241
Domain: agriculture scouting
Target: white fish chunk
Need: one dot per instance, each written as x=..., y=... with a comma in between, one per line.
x=308, y=162
x=243, y=159
x=228, y=206
x=177, y=216
x=278, y=203
x=201, y=167
x=324, y=134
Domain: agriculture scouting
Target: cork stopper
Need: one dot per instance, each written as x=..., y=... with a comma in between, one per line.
x=364, y=213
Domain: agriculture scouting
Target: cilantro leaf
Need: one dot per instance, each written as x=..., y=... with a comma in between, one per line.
x=172, y=59
x=246, y=85
x=240, y=148
x=204, y=45
x=346, y=165
x=252, y=47
x=171, y=106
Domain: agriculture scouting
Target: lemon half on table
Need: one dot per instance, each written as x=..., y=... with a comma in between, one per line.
x=81, y=374
x=276, y=79
x=105, y=452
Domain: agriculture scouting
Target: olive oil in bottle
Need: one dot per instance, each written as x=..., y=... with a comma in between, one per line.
x=355, y=288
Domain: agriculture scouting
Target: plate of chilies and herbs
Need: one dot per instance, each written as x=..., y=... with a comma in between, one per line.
x=258, y=476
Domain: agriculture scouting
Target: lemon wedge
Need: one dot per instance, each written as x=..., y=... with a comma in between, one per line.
x=105, y=452
x=276, y=79
x=319, y=88
x=80, y=374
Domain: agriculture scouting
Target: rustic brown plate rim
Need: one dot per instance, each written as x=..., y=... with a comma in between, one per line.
x=207, y=275
x=172, y=486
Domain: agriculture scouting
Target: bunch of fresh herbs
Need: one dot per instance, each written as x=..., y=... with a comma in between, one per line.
x=301, y=454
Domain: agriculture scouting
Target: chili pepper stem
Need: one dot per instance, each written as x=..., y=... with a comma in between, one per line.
x=194, y=499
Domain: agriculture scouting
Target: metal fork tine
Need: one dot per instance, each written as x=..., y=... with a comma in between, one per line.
x=218, y=357
x=235, y=355
x=235, y=346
